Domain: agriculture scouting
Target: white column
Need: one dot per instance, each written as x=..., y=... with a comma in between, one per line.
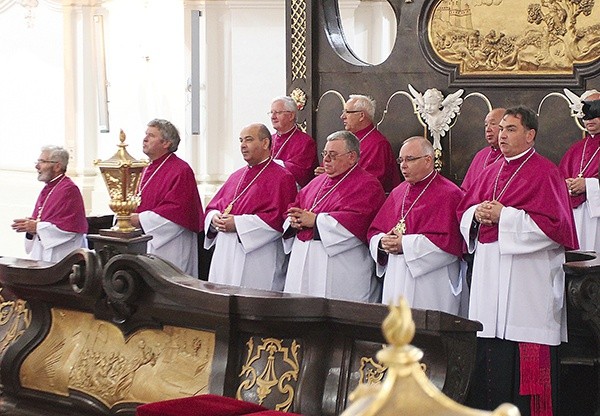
x=242, y=69
x=81, y=103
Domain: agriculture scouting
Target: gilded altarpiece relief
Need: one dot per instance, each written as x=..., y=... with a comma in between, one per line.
x=92, y=356
x=508, y=37
x=15, y=318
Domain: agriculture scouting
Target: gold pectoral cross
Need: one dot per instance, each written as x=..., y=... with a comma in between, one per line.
x=228, y=209
x=400, y=227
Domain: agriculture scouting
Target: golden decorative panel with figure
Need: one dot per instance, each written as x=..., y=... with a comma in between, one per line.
x=502, y=37
x=92, y=356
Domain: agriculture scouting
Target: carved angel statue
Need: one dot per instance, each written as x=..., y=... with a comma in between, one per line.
x=436, y=111
x=576, y=102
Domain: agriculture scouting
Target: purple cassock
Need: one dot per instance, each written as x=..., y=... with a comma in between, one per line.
x=168, y=188
x=265, y=190
x=583, y=158
x=432, y=215
x=353, y=201
x=377, y=157
x=298, y=151
x=484, y=158
x=61, y=204
x=512, y=184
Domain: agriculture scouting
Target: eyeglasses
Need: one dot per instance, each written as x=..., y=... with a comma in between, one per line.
x=409, y=159
x=270, y=113
x=45, y=161
x=351, y=111
x=332, y=155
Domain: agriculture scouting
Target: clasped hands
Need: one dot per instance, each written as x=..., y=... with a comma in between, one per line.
x=223, y=222
x=488, y=212
x=301, y=218
x=575, y=186
x=391, y=243
x=25, y=225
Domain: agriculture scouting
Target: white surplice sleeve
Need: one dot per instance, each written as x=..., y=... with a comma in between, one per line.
x=335, y=237
x=519, y=234
x=211, y=233
x=466, y=223
x=422, y=256
x=253, y=232
x=50, y=243
x=592, y=190
x=162, y=230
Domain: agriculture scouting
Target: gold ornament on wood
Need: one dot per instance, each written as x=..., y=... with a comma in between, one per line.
x=122, y=175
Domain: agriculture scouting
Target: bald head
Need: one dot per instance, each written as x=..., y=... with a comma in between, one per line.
x=255, y=143
x=491, y=125
x=416, y=159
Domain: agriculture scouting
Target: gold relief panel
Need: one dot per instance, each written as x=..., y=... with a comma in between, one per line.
x=507, y=37
x=15, y=318
x=270, y=373
x=92, y=356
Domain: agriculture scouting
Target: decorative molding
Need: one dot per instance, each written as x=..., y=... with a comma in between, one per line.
x=274, y=363
x=371, y=371
x=298, y=29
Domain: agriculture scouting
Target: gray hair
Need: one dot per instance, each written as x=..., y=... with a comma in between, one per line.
x=288, y=104
x=350, y=140
x=426, y=146
x=364, y=103
x=57, y=154
x=168, y=132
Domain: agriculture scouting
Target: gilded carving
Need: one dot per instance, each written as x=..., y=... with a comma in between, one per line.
x=298, y=39
x=303, y=126
x=91, y=356
x=503, y=37
x=406, y=389
x=273, y=364
x=371, y=372
x=299, y=98
x=15, y=318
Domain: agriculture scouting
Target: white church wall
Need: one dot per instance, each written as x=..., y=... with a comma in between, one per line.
x=147, y=58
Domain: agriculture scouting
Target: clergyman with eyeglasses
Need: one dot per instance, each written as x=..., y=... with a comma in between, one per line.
x=58, y=224
x=415, y=238
x=376, y=154
x=326, y=227
x=291, y=147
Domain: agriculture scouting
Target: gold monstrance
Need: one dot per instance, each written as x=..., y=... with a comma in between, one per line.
x=122, y=175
